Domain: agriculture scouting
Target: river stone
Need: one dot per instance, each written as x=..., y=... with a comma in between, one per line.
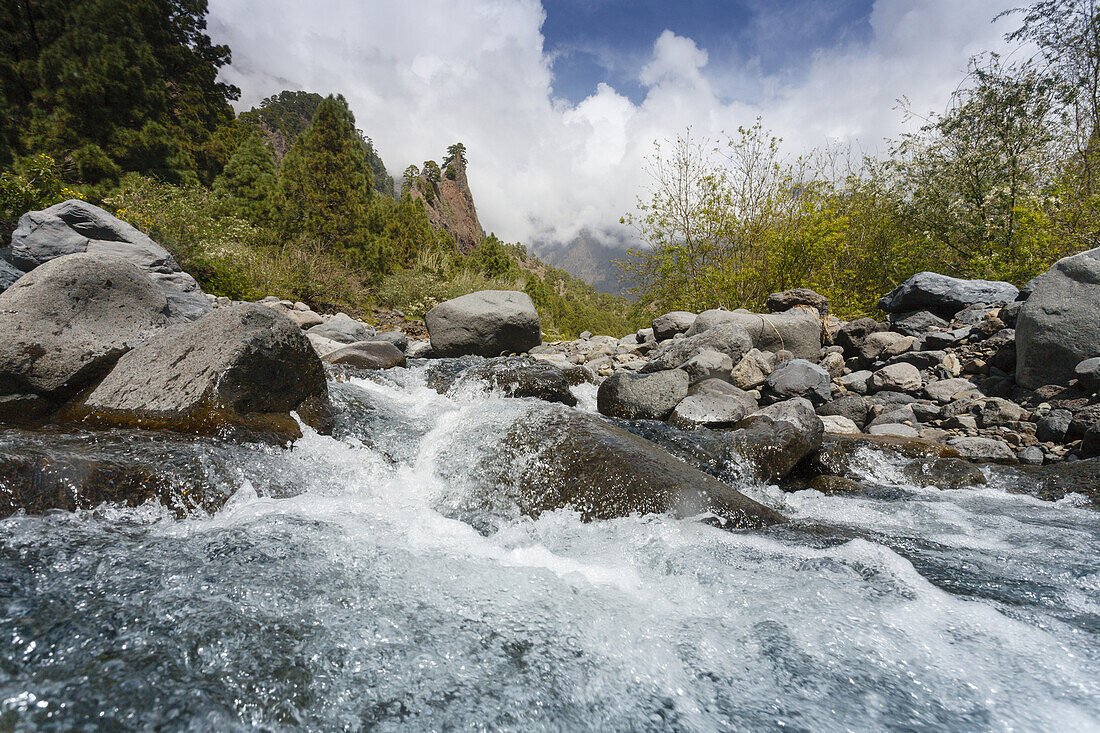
x=1054, y=481
x=642, y=396
x=1088, y=375
x=852, y=334
x=573, y=460
x=852, y=407
x=784, y=301
x=918, y=323
x=728, y=338
x=668, y=325
x=797, y=330
x=243, y=368
x=344, y=329
x=76, y=226
x=949, y=390
x=983, y=449
x=856, y=382
x=724, y=388
x=65, y=324
x=996, y=412
x=900, y=376
x=798, y=412
x=839, y=424
x=367, y=355
x=945, y=295
x=945, y=473
x=773, y=447
x=708, y=364
x=753, y=368
x=520, y=376
x=486, y=323
x=800, y=378
x=1058, y=327
x=8, y=275
x=708, y=410
x=883, y=345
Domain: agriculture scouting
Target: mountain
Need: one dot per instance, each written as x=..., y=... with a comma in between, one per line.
x=588, y=258
x=447, y=198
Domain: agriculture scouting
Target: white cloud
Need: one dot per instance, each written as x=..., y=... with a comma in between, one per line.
x=421, y=75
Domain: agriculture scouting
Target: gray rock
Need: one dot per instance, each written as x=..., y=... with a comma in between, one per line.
x=856, y=381
x=945, y=295
x=945, y=473
x=753, y=368
x=852, y=334
x=418, y=349
x=397, y=338
x=728, y=338
x=1031, y=456
x=8, y=275
x=241, y=368
x=797, y=330
x=900, y=376
x=708, y=410
x=642, y=396
x=1010, y=312
x=949, y=390
x=305, y=319
x=833, y=363
x=800, y=378
x=708, y=364
x=668, y=325
x=852, y=407
x=883, y=345
x=486, y=323
x=1057, y=327
x=972, y=315
x=367, y=355
x=997, y=412
x=896, y=429
x=1088, y=375
x=1054, y=426
x=66, y=323
x=838, y=424
x=902, y=415
x=983, y=449
x=76, y=226
x=784, y=301
x=344, y=329
x=577, y=461
x=725, y=389
x=918, y=323
x=645, y=334
x=798, y=412
x=919, y=359
x=324, y=346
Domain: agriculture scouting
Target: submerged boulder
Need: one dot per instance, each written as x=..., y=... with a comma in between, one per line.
x=797, y=330
x=243, y=369
x=1057, y=327
x=75, y=226
x=66, y=323
x=486, y=323
x=573, y=460
x=945, y=295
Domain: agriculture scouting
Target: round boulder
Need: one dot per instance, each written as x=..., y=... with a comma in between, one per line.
x=945, y=295
x=642, y=396
x=797, y=330
x=486, y=323
x=668, y=325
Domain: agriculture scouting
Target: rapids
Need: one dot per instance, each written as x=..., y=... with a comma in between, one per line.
x=381, y=579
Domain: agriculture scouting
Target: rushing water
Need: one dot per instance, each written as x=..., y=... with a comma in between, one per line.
x=378, y=580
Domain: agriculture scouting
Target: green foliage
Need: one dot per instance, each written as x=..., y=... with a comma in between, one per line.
x=249, y=183
x=325, y=179
x=135, y=78
x=34, y=183
x=491, y=259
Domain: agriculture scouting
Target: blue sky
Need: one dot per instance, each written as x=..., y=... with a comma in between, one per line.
x=593, y=41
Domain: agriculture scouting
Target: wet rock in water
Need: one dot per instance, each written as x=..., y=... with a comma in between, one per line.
x=800, y=378
x=344, y=329
x=834, y=485
x=773, y=447
x=486, y=323
x=1057, y=327
x=76, y=226
x=8, y=275
x=837, y=452
x=983, y=449
x=64, y=325
x=945, y=473
x=901, y=376
x=580, y=462
x=526, y=377
x=367, y=355
x=668, y=325
x=243, y=368
x=797, y=330
x=784, y=301
x=945, y=295
x=728, y=339
x=642, y=396
x=916, y=324
x=1055, y=481
x=708, y=410
x=753, y=368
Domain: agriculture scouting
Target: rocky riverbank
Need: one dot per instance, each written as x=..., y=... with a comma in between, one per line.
x=100, y=329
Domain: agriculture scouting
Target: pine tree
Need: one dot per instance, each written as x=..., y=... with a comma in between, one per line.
x=249, y=181
x=325, y=181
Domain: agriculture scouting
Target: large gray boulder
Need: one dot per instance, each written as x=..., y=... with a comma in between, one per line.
x=1058, y=326
x=240, y=369
x=8, y=275
x=572, y=460
x=642, y=396
x=797, y=330
x=800, y=378
x=728, y=338
x=66, y=323
x=487, y=323
x=75, y=226
x=367, y=355
x=344, y=329
x=945, y=295
x=668, y=325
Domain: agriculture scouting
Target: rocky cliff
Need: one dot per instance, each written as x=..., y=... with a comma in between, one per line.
x=450, y=204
